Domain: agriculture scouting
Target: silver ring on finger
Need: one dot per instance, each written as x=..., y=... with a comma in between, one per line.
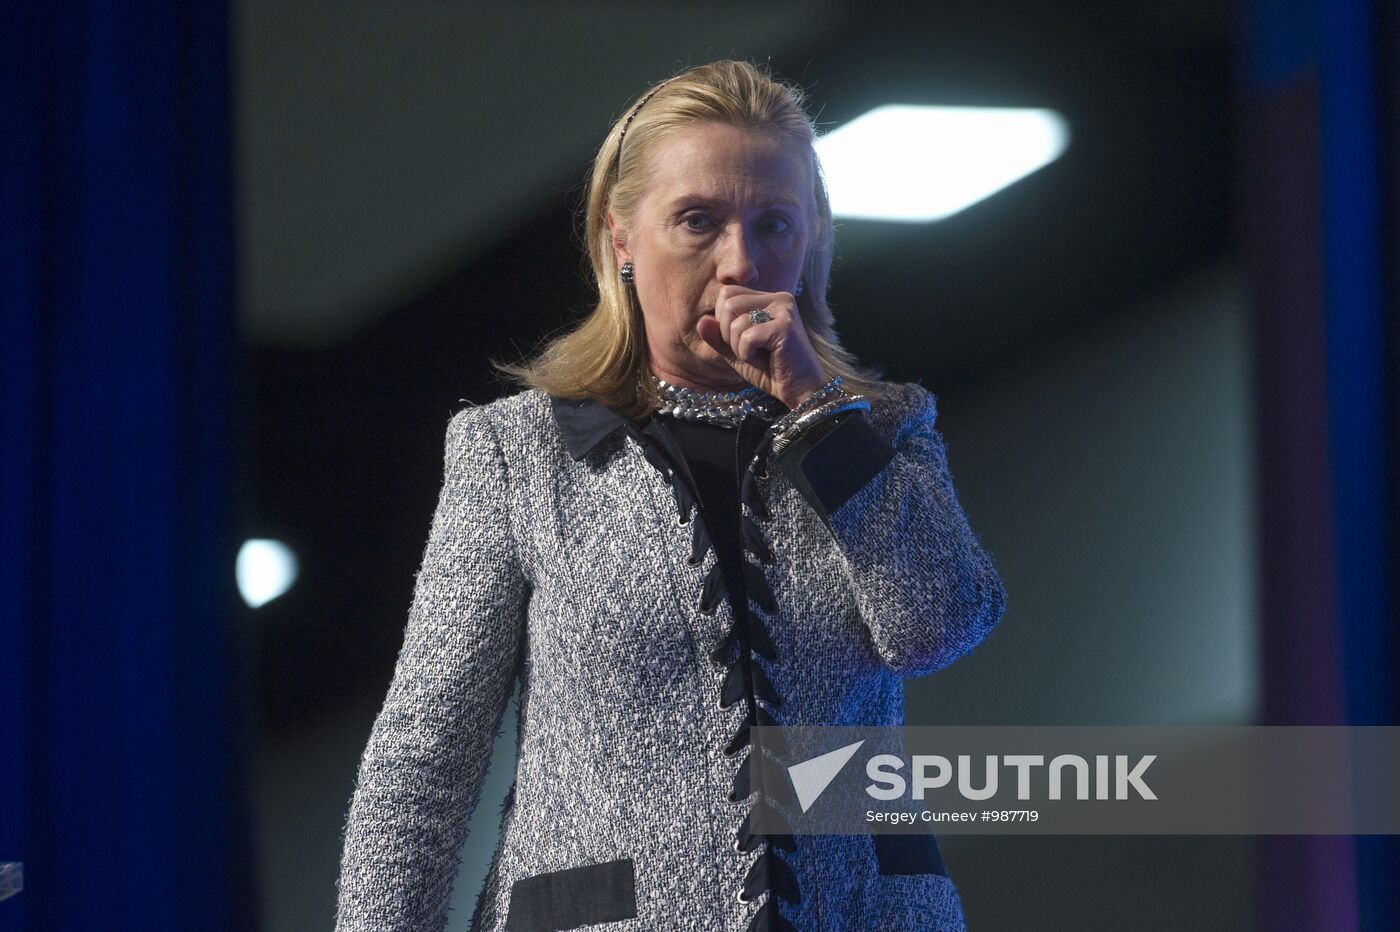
x=760, y=316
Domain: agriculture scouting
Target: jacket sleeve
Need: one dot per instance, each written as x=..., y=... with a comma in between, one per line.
x=926, y=589
x=421, y=773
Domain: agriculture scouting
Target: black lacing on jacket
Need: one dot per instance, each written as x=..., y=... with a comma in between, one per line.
x=742, y=651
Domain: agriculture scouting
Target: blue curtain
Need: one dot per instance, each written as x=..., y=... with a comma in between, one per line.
x=121, y=745
x=1320, y=183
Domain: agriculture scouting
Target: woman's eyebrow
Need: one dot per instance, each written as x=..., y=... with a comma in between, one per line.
x=684, y=199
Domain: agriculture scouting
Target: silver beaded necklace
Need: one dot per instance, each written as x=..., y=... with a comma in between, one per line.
x=724, y=408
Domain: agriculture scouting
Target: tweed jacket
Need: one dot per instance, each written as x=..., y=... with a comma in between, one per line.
x=567, y=551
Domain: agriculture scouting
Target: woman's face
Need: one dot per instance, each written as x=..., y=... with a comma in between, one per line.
x=726, y=206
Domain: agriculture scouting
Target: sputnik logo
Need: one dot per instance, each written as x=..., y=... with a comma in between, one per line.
x=811, y=777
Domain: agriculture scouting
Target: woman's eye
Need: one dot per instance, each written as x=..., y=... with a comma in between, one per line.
x=700, y=223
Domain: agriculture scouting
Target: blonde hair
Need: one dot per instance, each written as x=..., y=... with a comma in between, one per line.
x=605, y=355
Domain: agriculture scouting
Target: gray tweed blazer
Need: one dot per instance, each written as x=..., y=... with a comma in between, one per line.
x=566, y=550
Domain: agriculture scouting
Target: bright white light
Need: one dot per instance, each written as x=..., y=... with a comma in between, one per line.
x=265, y=570
x=917, y=164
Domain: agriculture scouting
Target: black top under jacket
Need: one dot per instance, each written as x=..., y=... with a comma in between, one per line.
x=717, y=456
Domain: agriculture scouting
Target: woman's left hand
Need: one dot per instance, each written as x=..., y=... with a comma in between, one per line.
x=775, y=355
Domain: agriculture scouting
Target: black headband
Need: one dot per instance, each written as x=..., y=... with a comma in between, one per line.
x=623, y=135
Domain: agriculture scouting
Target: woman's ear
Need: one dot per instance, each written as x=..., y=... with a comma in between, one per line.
x=619, y=240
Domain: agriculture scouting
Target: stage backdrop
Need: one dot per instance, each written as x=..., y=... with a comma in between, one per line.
x=120, y=755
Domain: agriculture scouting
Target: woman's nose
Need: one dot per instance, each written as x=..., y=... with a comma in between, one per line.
x=736, y=264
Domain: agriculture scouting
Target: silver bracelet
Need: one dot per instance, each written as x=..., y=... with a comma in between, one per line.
x=813, y=400
x=833, y=406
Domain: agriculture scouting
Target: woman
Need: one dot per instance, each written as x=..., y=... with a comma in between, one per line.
x=700, y=515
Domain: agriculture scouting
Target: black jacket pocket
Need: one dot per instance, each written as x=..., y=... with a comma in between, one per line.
x=908, y=854
x=578, y=896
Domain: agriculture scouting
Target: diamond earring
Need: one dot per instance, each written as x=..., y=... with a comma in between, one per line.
x=798, y=290
x=627, y=272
